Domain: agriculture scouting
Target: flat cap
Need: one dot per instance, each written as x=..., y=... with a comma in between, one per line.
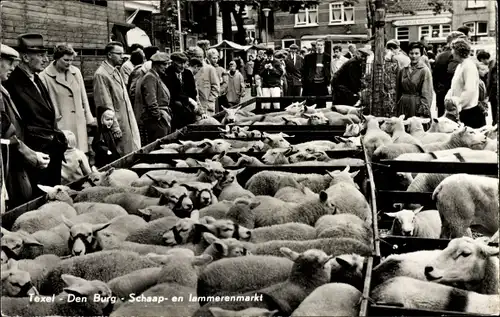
x=294, y=47
x=9, y=52
x=178, y=57
x=395, y=42
x=31, y=42
x=365, y=51
x=160, y=57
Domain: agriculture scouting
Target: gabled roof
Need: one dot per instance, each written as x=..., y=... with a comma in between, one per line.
x=399, y=6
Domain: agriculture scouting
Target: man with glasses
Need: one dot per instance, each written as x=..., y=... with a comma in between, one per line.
x=110, y=92
x=36, y=110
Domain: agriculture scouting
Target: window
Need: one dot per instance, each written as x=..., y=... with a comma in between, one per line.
x=402, y=34
x=307, y=17
x=287, y=43
x=473, y=4
x=477, y=28
x=435, y=31
x=246, y=11
x=341, y=14
x=101, y=3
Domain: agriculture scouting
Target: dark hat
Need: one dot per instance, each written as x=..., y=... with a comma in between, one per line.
x=160, y=57
x=8, y=52
x=30, y=42
x=269, y=51
x=178, y=57
x=294, y=47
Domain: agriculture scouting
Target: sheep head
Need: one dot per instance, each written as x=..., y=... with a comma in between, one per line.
x=176, y=198
x=277, y=156
x=83, y=236
x=224, y=248
x=311, y=267
x=342, y=176
x=468, y=137
x=404, y=221
x=230, y=116
x=59, y=193
x=14, y=244
x=353, y=129
x=443, y=125
x=276, y=140
x=317, y=118
x=82, y=288
x=229, y=178
x=15, y=282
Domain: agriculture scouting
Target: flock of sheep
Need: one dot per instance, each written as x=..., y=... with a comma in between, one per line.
x=208, y=241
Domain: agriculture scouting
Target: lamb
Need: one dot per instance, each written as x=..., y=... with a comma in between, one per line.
x=443, y=125
x=395, y=127
x=16, y=282
x=249, y=312
x=224, y=159
x=277, y=156
x=333, y=299
x=317, y=118
x=344, y=194
x=466, y=261
x=417, y=130
x=433, y=155
x=467, y=200
x=298, y=121
x=217, y=210
x=408, y=292
x=269, y=182
x=223, y=248
x=318, y=145
x=465, y=137
x=416, y=223
x=334, y=246
x=275, y=140
x=39, y=267
x=103, y=266
x=201, y=194
x=342, y=109
x=311, y=269
x=245, y=160
x=98, y=193
x=112, y=177
x=210, y=147
x=152, y=232
x=230, y=189
x=61, y=305
x=286, y=231
x=157, y=212
x=391, y=151
x=344, y=226
x=109, y=210
x=295, y=194
x=19, y=245
x=230, y=116
x=374, y=136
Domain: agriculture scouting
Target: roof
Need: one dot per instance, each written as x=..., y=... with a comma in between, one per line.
x=400, y=6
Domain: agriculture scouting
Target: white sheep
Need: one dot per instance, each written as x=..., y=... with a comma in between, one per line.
x=343, y=109
x=19, y=245
x=15, y=281
x=443, y=125
x=391, y=151
x=298, y=121
x=39, y=267
x=416, y=294
x=269, y=182
x=286, y=231
x=295, y=194
x=416, y=223
x=152, y=232
x=344, y=226
x=332, y=299
x=223, y=248
x=466, y=261
x=374, y=137
x=318, y=145
x=276, y=140
x=201, y=194
x=112, y=177
x=467, y=200
x=230, y=116
x=245, y=160
x=229, y=187
x=426, y=157
x=277, y=156
x=395, y=127
x=416, y=129
x=223, y=159
x=217, y=210
x=465, y=137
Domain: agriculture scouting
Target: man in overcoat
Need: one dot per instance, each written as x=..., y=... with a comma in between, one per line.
x=293, y=64
x=36, y=111
x=316, y=74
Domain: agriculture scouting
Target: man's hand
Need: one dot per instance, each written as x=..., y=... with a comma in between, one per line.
x=93, y=123
x=43, y=160
x=193, y=103
x=117, y=134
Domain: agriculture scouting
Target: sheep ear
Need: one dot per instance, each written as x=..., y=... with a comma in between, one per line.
x=285, y=135
x=416, y=211
x=401, y=117
x=160, y=190
x=435, y=120
x=391, y=214
x=72, y=280
x=345, y=262
x=292, y=255
x=209, y=237
x=190, y=188
x=110, y=171
x=219, y=312
x=398, y=206
x=346, y=169
x=238, y=171
x=323, y=196
x=254, y=204
x=94, y=169
x=354, y=174
x=220, y=247
x=223, y=108
x=202, y=259
x=157, y=182
x=67, y=222
x=207, y=220
x=46, y=189
x=99, y=227
x=144, y=213
x=490, y=251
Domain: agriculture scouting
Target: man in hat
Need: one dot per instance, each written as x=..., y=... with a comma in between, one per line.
x=346, y=82
x=316, y=74
x=207, y=82
x=110, y=92
x=17, y=183
x=153, y=96
x=395, y=50
x=293, y=64
x=36, y=110
x=183, y=95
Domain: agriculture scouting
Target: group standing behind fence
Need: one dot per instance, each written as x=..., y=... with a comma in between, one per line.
x=153, y=94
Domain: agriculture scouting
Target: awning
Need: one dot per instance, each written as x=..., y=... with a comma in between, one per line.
x=337, y=37
x=228, y=45
x=138, y=36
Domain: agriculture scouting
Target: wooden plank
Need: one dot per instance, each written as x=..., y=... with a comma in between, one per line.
x=18, y=4
x=386, y=310
x=441, y=167
x=363, y=311
x=373, y=204
x=12, y=11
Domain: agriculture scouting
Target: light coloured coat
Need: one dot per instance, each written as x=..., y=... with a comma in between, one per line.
x=110, y=92
x=69, y=97
x=235, y=88
x=208, y=86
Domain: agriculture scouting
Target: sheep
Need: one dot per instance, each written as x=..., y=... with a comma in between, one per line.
x=317, y=118
x=349, y=269
x=443, y=125
x=39, y=267
x=347, y=109
x=311, y=269
x=395, y=127
x=410, y=264
x=217, y=210
x=157, y=212
x=416, y=129
x=19, y=245
x=391, y=151
x=230, y=189
x=416, y=294
x=249, y=312
x=152, y=232
x=344, y=194
x=299, y=121
x=242, y=206
x=210, y=147
x=466, y=261
x=297, y=108
x=245, y=160
x=224, y=159
x=352, y=129
x=465, y=137
x=334, y=246
x=276, y=156
x=374, y=137
x=273, y=211
x=77, y=299
x=201, y=194
x=337, y=119
x=223, y=248
x=112, y=177
x=230, y=116
x=344, y=226
x=333, y=299
x=318, y=145
x=208, y=121
x=467, y=200
x=109, y=210
x=103, y=266
x=426, y=157
x=286, y=231
x=16, y=282
x=98, y=193
x=348, y=143
x=269, y=182
x=295, y=194
x=416, y=223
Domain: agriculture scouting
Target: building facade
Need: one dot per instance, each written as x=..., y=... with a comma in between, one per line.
x=478, y=15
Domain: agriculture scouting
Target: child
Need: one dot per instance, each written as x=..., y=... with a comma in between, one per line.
x=104, y=144
x=77, y=163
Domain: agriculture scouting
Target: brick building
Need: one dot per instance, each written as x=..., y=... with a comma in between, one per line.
x=478, y=15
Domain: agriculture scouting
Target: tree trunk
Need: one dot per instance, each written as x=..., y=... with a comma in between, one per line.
x=225, y=9
x=377, y=100
x=238, y=18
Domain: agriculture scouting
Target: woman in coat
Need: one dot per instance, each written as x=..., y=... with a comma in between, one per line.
x=414, y=86
x=66, y=88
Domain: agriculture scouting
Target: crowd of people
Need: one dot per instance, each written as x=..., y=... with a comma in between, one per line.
x=46, y=115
